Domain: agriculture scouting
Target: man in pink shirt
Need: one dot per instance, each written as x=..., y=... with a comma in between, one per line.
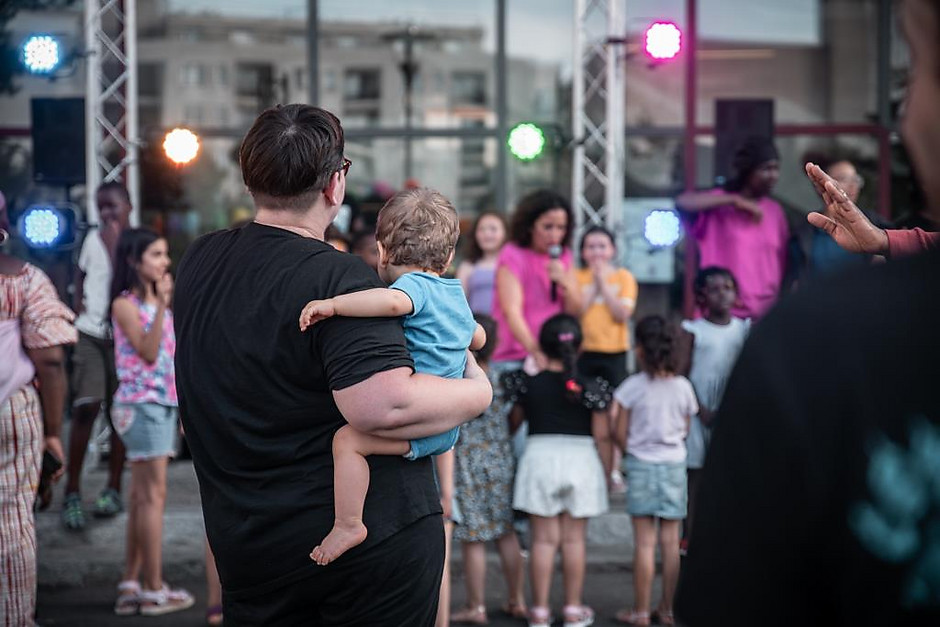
x=739, y=227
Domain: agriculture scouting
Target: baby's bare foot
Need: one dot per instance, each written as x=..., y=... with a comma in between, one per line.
x=343, y=536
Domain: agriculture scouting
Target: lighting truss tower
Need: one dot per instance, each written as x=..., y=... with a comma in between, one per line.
x=111, y=126
x=597, y=108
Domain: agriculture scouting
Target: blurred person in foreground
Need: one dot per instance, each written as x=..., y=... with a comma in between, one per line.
x=261, y=401
x=830, y=429
x=34, y=326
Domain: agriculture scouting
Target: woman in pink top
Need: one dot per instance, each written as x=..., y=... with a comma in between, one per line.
x=742, y=229
x=534, y=278
x=144, y=412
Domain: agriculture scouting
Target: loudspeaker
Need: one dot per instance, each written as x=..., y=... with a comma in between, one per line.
x=735, y=121
x=58, y=132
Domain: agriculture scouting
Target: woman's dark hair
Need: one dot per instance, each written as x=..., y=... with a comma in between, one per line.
x=657, y=338
x=591, y=231
x=530, y=208
x=130, y=249
x=560, y=338
x=473, y=251
x=289, y=155
x=491, y=329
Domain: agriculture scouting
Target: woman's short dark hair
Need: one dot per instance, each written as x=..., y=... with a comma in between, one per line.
x=597, y=228
x=532, y=206
x=473, y=251
x=289, y=155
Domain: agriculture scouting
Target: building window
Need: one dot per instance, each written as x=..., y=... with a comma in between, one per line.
x=194, y=75
x=192, y=114
x=254, y=80
x=150, y=79
x=468, y=88
x=362, y=84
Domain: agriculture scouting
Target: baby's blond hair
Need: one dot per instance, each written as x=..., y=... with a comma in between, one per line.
x=418, y=227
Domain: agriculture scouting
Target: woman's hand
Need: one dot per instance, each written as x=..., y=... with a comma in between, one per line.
x=53, y=444
x=843, y=220
x=164, y=289
x=601, y=271
x=557, y=272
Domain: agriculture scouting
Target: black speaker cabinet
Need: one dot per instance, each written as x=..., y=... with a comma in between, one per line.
x=58, y=132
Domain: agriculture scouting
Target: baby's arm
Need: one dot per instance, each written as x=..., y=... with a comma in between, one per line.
x=479, y=339
x=380, y=302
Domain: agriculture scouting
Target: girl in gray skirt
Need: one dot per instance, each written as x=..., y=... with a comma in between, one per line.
x=560, y=481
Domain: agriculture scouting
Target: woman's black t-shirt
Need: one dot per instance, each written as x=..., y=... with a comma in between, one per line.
x=256, y=400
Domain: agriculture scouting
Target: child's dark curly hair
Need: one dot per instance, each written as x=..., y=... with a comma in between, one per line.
x=657, y=340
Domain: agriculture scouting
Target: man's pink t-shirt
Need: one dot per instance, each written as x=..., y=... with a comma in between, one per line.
x=531, y=268
x=755, y=252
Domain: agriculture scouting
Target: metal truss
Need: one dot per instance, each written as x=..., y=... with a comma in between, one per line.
x=111, y=123
x=597, y=109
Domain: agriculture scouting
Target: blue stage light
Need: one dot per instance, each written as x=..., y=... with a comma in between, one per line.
x=41, y=54
x=662, y=228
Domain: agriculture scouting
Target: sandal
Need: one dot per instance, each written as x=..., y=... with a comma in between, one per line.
x=214, y=615
x=128, y=601
x=471, y=615
x=632, y=617
x=578, y=616
x=539, y=617
x=661, y=617
x=164, y=601
x=515, y=610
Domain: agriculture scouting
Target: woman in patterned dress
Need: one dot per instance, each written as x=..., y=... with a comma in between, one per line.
x=34, y=325
x=484, y=470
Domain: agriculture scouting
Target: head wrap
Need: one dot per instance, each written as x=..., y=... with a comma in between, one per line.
x=750, y=155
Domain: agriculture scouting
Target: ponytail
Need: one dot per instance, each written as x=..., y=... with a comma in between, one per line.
x=560, y=338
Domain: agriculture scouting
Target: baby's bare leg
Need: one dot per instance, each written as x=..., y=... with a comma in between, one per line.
x=350, y=485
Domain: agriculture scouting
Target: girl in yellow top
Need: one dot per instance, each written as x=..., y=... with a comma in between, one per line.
x=609, y=298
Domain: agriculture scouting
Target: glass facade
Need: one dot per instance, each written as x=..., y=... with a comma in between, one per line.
x=427, y=90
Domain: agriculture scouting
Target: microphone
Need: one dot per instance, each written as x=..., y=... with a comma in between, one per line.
x=554, y=252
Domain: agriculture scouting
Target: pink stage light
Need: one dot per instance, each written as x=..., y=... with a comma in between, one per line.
x=663, y=40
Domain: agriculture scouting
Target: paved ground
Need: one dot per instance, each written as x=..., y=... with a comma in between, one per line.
x=608, y=588
x=78, y=571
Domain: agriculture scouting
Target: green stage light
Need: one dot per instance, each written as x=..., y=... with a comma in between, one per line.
x=526, y=141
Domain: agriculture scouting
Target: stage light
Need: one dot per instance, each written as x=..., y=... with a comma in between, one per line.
x=662, y=228
x=41, y=54
x=181, y=146
x=48, y=226
x=663, y=41
x=526, y=141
